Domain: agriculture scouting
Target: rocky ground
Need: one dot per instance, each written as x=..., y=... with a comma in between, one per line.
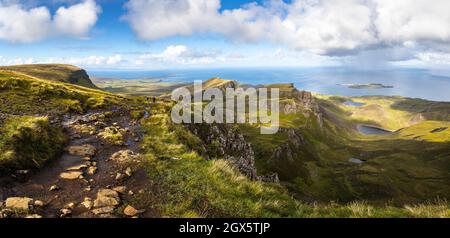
x=98, y=175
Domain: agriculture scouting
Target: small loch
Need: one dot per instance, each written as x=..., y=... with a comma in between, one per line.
x=372, y=130
x=354, y=104
x=356, y=161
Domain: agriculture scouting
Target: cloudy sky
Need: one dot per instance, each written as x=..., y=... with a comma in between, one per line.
x=158, y=34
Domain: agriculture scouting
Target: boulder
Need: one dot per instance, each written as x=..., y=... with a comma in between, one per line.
x=92, y=170
x=87, y=203
x=65, y=212
x=38, y=203
x=53, y=188
x=124, y=156
x=70, y=206
x=20, y=203
x=88, y=189
x=120, y=189
x=106, y=198
x=130, y=211
x=77, y=167
x=128, y=171
x=103, y=210
x=105, y=202
x=107, y=193
x=71, y=175
x=120, y=176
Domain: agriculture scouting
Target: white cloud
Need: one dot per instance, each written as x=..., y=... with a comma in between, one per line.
x=328, y=27
x=180, y=54
x=78, y=19
x=24, y=25
x=94, y=60
x=114, y=59
x=406, y=20
x=6, y=61
x=172, y=52
x=88, y=61
x=154, y=19
x=20, y=25
x=436, y=58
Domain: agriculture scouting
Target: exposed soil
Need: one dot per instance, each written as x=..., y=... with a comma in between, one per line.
x=37, y=184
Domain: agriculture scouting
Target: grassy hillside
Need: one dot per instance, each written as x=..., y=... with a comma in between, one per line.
x=28, y=103
x=191, y=186
x=28, y=142
x=317, y=179
x=411, y=165
x=136, y=87
x=54, y=72
x=23, y=94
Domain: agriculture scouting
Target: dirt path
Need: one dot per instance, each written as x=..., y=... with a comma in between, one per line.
x=85, y=181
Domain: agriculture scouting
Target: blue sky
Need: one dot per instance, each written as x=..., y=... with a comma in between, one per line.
x=158, y=34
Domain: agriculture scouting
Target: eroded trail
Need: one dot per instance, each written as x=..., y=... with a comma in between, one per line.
x=98, y=175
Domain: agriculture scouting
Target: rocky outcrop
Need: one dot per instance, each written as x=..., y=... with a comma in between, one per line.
x=302, y=101
x=225, y=141
x=289, y=150
x=19, y=203
x=125, y=156
x=106, y=202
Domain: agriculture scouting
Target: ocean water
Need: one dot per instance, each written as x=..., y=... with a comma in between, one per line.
x=414, y=83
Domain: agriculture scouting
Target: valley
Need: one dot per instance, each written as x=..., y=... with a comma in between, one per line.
x=73, y=148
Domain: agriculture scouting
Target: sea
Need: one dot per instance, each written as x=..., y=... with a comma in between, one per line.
x=407, y=82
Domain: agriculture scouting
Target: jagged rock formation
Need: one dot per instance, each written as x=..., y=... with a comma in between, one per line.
x=301, y=101
x=289, y=150
x=225, y=141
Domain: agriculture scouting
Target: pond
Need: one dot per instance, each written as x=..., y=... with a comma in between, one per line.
x=372, y=130
x=356, y=161
x=354, y=104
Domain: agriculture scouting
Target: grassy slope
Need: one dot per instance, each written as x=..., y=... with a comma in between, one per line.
x=28, y=142
x=409, y=166
x=54, y=72
x=191, y=186
x=27, y=138
x=22, y=94
x=136, y=87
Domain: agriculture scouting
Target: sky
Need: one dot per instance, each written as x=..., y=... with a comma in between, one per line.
x=165, y=34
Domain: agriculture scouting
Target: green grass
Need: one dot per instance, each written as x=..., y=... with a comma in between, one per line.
x=113, y=135
x=54, y=72
x=24, y=94
x=136, y=87
x=190, y=186
x=28, y=142
x=410, y=166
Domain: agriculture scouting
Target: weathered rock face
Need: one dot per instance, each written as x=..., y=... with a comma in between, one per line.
x=302, y=101
x=289, y=150
x=225, y=141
